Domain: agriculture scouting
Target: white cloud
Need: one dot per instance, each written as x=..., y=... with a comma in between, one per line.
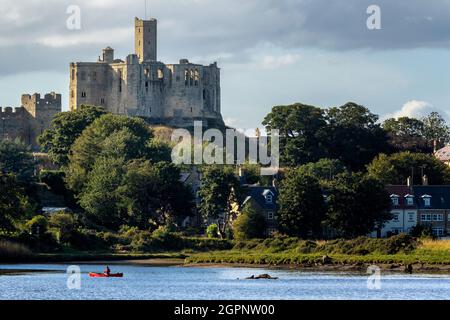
x=273, y=62
x=116, y=35
x=417, y=109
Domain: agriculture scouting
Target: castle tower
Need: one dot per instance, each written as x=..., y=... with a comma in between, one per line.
x=146, y=39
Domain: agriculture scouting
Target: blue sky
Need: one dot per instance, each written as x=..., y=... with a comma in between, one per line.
x=271, y=52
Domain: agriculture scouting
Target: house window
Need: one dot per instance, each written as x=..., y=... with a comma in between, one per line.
x=409, y=201
x=438, y=217
x=439, y=232
x=411, y=217
x=270, y=215
x=395, y=219
x=425, y=217
x=394, y=201
x=269, y=198
x=427, y=202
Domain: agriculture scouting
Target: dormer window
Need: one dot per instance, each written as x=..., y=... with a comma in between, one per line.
x=426, y=200
x=268, y=196
x=395, y=200
x=409, y=200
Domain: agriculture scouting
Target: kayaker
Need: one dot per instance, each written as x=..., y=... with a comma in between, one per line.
x=107, y=271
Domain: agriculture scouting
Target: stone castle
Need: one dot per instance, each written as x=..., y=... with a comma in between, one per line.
x=168, y=94
x=27, y=122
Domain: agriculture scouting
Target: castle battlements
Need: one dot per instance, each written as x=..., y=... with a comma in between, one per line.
x=27, y=122
x=140, y=85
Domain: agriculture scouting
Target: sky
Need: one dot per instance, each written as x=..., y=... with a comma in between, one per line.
x=271, y=52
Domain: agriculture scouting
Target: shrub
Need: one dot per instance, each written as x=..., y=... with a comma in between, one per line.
x=250, y=224
x=212, y=231
x=11, y=251
x=37, y=225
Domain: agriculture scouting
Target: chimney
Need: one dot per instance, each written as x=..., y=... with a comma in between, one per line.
x=409, y=182
x=425, y=180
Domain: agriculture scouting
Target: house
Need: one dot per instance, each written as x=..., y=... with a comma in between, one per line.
x=444, y=155
x=403, y=210
x=192, y=179
x=264, y=200
x=433, y=204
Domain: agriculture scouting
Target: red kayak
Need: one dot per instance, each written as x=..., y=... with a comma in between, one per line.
x=104, y=275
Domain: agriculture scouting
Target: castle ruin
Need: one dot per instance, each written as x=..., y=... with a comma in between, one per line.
x=168, y=94
x=27, y=122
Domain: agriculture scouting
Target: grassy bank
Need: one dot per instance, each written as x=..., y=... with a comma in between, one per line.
x=291, y=251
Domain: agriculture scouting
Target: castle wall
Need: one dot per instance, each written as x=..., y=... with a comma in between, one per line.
x=175, y=94
x=27, y=122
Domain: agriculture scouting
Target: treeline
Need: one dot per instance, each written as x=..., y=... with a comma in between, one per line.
x=115, y=174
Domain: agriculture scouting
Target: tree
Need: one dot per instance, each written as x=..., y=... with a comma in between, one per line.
x=152, y=194
x=301, y=205
x=357, y=204
x=303, y=133
x=250, y=224
x=219, y=187
x=15, y=158
x=65, y=128
x=99, y=197
x=396, y=168
x=324, y=169
x=14, y=205
x=436, y=129
x=356, y=137
x=138, y=193
x=111, y=136
x=407, y=134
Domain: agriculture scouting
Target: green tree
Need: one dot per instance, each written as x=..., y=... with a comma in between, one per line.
x=14, y=204
x=301, y=205
x=152, y=194
x=250, y=224
x=436, y=129
x=407, y=134
x=64, y=225
x=111, y=136
x=396, y=168
x=219, y=187
x=357, y=204
x=303, y=133
x=356, y=137
x=324, y=169
x=65, y=128
x=15, y=158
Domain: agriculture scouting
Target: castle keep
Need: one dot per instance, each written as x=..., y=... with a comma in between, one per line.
x=170, y=94
x=27, y=122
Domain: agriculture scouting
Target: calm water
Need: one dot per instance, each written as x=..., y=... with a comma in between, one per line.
x=214, y=283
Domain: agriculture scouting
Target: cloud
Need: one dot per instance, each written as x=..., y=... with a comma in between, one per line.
x=274, y=62
x=231, y=28
x=417, y=109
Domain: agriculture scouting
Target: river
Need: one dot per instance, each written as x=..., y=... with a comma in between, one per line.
x=180, y=283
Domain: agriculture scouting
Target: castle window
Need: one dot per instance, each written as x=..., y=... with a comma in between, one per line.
x=160, y=74
x=71, y=94
x=73, y=74
x=204, y=94
x=102, y=101
x=83, y=94
x=186, y=77
x=196, y=77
